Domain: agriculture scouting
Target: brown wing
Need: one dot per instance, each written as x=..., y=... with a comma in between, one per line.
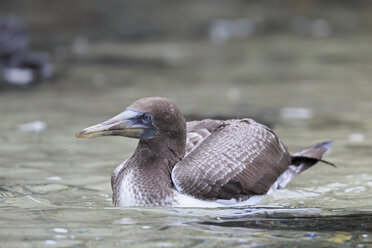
x=198, y=131
x=238, y=159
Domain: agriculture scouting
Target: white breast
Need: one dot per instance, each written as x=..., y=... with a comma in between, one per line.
x=130, y=192
x=127, y=193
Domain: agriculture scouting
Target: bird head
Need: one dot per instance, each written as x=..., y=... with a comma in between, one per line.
x=144, y=119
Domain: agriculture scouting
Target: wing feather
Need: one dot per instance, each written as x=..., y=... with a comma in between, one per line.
x=198, y=131
x=230, y=159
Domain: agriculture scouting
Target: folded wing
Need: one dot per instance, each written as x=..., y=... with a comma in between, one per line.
x=229, y=159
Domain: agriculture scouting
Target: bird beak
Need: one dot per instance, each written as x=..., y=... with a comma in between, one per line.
x=124, y=124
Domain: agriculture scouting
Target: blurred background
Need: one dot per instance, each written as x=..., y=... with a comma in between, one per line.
x=244, y=55
x=302, y=67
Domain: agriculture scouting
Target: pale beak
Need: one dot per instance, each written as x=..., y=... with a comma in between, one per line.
x=124, y=124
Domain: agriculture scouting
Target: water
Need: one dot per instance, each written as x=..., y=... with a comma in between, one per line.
x=55, y=189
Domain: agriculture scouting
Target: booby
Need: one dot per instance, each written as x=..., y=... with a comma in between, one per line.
x=208, y=163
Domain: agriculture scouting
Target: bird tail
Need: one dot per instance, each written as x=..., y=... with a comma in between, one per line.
x=310, y=156
x=302, y=161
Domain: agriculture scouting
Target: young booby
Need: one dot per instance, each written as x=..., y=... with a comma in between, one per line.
x=206, y=163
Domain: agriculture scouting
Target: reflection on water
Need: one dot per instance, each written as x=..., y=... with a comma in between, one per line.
x=139, y=227
x=294, y=221
x=55, y=190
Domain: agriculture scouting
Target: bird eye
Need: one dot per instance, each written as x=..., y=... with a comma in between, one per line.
x=146, y=118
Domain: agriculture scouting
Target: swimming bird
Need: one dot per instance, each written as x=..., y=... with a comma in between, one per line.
x=207, y=163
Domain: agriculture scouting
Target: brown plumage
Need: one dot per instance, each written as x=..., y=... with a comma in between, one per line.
x=246, y=158
x=197, y=162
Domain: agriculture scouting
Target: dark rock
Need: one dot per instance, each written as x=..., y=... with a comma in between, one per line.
x=19, y=66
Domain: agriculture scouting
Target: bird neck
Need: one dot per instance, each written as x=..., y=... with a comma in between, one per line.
x=148, y=172
x=170, y=148
x=148, y=175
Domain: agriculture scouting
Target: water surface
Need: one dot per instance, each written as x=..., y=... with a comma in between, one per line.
x=55, y=189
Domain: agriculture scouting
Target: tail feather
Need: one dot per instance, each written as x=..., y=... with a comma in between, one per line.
x=296, y=160
x=316, y=151
x=301, y=161
x=310, y=156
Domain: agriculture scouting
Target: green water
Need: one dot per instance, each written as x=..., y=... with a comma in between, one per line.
x=55, y=189
x=51, y=180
